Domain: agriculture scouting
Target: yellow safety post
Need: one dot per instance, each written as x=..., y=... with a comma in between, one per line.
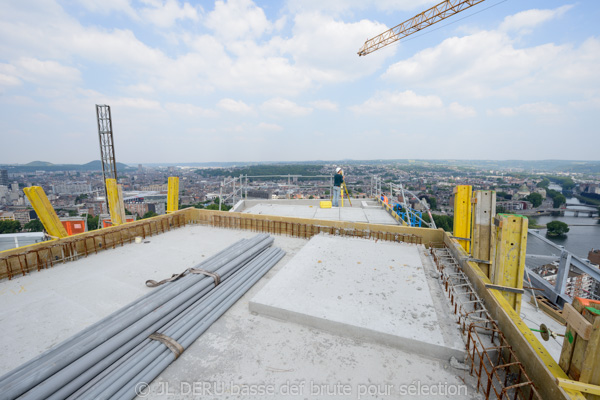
x=482, y=242
x=508, y=267
x=45, y=211
x=462, y=215
x=173, y=194
x=115, y=202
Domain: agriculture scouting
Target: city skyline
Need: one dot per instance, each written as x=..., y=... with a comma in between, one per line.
x=243, y=81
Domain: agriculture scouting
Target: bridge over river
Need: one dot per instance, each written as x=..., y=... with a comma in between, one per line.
x=583, y=210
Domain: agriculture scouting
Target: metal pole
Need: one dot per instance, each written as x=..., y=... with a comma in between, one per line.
x=562, y=275
x=159, y=364
x=221, y=195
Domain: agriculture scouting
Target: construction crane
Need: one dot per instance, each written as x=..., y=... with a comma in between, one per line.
x=421, y=21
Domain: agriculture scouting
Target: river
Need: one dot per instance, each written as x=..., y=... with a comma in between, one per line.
x=580, y=239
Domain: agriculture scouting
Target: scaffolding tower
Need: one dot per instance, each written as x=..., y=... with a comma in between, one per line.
x=107, y=149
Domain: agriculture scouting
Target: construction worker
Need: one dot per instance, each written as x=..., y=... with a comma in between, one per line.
x=338, y=179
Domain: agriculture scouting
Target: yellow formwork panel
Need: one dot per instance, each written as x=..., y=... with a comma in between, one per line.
x=462, y=215
x=45, y=211
x=173, y=194
x=508, y=267
x=115, y=202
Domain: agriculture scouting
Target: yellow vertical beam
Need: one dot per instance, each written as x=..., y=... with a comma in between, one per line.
x=115, y=202
x=482, y=242
x=45, y=211
x=508, y=267
x=462, y=215
x=173, y=194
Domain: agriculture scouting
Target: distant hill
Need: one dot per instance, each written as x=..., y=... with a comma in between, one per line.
x=33, y=166
x=582, y=166
x=39, y=164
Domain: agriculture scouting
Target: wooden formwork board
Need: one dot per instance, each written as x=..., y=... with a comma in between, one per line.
x=580, y=356
x=307, y=227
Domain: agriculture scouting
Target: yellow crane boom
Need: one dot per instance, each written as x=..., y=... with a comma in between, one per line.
x=428, y=17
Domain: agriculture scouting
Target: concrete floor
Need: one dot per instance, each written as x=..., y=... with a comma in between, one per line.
x=243, y=355
x=360, y=212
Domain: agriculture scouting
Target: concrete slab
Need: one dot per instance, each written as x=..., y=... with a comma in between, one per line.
x=361, y=211
x=371, y=291
x=379, y=216
x=328, y=213
x=353, y=215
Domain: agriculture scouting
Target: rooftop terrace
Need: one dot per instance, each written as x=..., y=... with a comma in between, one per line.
x=354, y=309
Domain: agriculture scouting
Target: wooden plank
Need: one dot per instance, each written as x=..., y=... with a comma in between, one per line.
x=576, y=385
x=577, y=321
x=590, y=368
x=549, y=308
x=577, y=347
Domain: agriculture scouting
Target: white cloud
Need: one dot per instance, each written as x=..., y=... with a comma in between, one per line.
x=461, y=111
x=235, y=106
x=348, y=6
x=586, y=104
x=526, y=20
x=164, y=13
x=488, y=64
x=326, y=105
x=44, y=73
x=264, y=126
x=236, y=19
x=137, y=103
x=313, y=53
x=190, y=109
x=391, y=103
x=535, y=109
x=283, y=107
x=108, y=6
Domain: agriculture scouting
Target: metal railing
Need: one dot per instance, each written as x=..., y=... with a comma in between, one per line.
x=567, y=264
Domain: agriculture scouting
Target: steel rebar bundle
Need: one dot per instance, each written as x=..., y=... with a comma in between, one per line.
x=112, y=356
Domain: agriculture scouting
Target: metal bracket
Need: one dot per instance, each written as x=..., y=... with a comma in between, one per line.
x=478, y=260
x=460, y=238
x=504, y=288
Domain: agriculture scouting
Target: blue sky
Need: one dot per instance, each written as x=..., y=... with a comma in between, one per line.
x=239, y=80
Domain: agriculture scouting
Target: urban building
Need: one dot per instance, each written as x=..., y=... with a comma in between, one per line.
x=72, y=188
x=3, y=177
